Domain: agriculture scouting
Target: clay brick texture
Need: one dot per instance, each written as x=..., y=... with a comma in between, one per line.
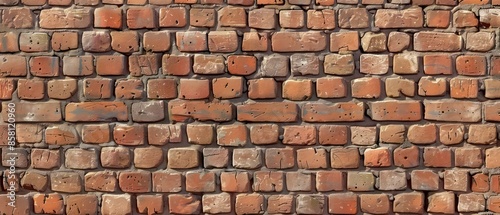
x=122, y=107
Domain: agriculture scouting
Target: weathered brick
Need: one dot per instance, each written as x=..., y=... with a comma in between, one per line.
x=392, y=18
x=298, y=41
x=57, y=18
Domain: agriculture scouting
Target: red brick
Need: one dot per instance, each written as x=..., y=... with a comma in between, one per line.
x=268, y=181
x=172, y=17
x=405, y=63
x=298, y=41
x=291, y=18
x=235, y=182
x=232, y=17
x=337, y=112
x=96, y=111
x=200, y=134
x=437, y=41
x=141, y=17
x=437, y=157
x=280, y=204
x=200, y=110
x=452, y=110
x=471, y=65
x=456, y=180
x=480, y=41
x=249, y=204
x=61, y=135
x=176, y=65
x=58, y=18
x=392, y=134
x=353, y=18
x=78, y=66
x=128, y=89
x=129, y=135
x=222, y=41
x=330, y=181
x=113, y=203
x=255, y=42
x=267, y=112
x=232, y=135
x=333, y=135
x=65, y=182
x=81, y=204
x=310, y=204
x=263, y=88
x=442, y=202
x=492, y=158
x=430, y=86
x=247, y=158
x=44, y=66
x=63, y=41
x=298, y=181
x=344, y=158
x=409, y=203
x=182, y=158
x=108, y=17
x=480, y=183
x=264, y=134
x=217, y=203
x=424, y=180
x=30, y=133
x=437, y=64
x=422, y=134
x=450, y=134
x=482, y=134
x=299, y=135
x=343, y=203
x=97, y=88
x=150, y=157
x=360, y=87
x=375, y=203
x=438, y=18
x=209, y=64
x=262, y=18
x=45, y=158
x=344, y=41
x=396, y=87
x=167, y=182
x=111, y=65
x=62, y=89
x=360, y=181
x=9, y=42
x=202, y=17
x=48, y=203
x=494, y=204
x=465, y=18
x=471, y=203
x=200, y=182
x=191, y=41
x=30, y=89
x=150, y=204
x=374, y=64
x=392, y=18
x=144, y=64
x=227, y=88
x=34, y=42
x=297, y=90
x=241, y=64
x=489, y=18
x=115, y=157
x=304, y=64
x=96, y=133
x=311, y=158
x=391, y=111
x=392, y=180
x=81, y=159
x=215, y=158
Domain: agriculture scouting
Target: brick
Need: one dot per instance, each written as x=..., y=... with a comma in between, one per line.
x=482, y=134
x=311, y=158
x=113, y=203
x=299, y=135
x=280, y=204
x=96, y=111
x=489, y=17
x=232, y=17
x=298, y=41
x=30, y=133
x=438, y=18
x=215, y=158
x=437, y=64
x=379, y=157
x=249, y=204
x=437, y=157
x=235, y=182
x=291, y=18
x=200, y=182
x=298, y=181
x=61, y=135
x=480, y=183
x=344, y=158
x=267, y=112
x=374, y=42
x=339, y=64
x=96, y=133
x=332, y=135
x=104, y=181
x=129, y=135
x=422, y=134
x=442, y=202
x=80, y=159
x=232, y=135
x=128, y=89
x=115, y=157
x=436, y=41
x=150, y=204
x=491, y=160
x=464, y=18
x=430, y=86
x=391, y=111
x=200, y=134
x=78, y=66
x=491, y=111
x=110, y=65
x=141, y=17
x=48, y=203
x=319, y=112
x=344, y=41
x=330, y=88
x=222, y=41
x=493, y=204
x=241, y=64
x=409, y=203
x=424, y=180
x=108, y=17
x=191, y=41
x=391, y=18
x=65, y=182
x=34, y=42
x=182, y=158
x=16, y=18
x=330, y=181
x=374, y=64
x=30, y=89
x=321, y=19
x=456, y=180
x=83, y=203
x=255, y=42
x=392, y=180
x=35, y=112
x=176, y=65
x=150, y=157
x=480, y=41
x=9, y=42
x=392, y=134
x=343, y=203
x=63, y=41
x=449, y=111
x=310, y=204
x=167, y=182
x=44, y=66
x=247, y=158
x=395, y=87
x=209, y=64
x=450, y=134
x=297, y=90
x=268, y=181
x=471, y=203
x=360, y=89
x=227, y=88
x=353, y=18
x=264, y=134
x=262, y=18
x=375, y=203
x=62, y=89
x=202, y=17
x=360, y=181
x=45, y=158
x=172, y=17
x=406, y=63
x=363, y=136
x=279, y=158
x=161, y=89
x=398, y=41
x=200, y=110
x=97, y=88
x=217, y=203
x=241, y=2
x=134, y=182
x=58, y=18
x=304, y=64
x=144, y=64
x=471, y=65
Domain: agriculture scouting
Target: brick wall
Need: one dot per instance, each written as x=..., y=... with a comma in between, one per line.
x=248, y=107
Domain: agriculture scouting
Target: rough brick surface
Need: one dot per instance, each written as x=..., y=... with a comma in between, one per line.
x=250, y=106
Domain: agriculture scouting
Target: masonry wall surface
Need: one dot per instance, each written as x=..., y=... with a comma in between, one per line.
x=249, y=106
